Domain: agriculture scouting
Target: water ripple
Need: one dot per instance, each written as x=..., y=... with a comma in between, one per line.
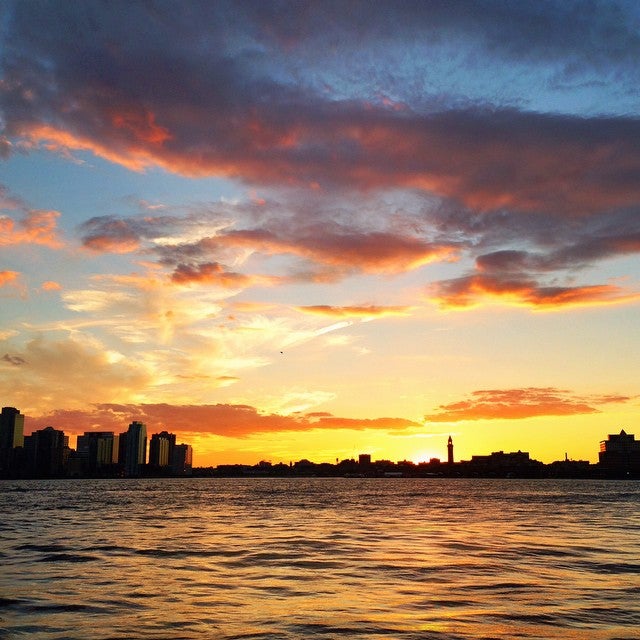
x=365, y=559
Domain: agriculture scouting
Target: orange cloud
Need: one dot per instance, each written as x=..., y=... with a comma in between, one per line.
x=37, y=227
x=132, y=157
x=470, y=291
x=365, y=312
x=220, y=419
x=516, y=404
x=50, y=285
x=141, y=125
x=8, y=277
x=134, y=153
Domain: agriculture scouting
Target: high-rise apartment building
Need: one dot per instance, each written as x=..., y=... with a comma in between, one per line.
x=182, y=460
x=11, y=438
x=97, y=450
x=135, y=449
x=11, y=428
x=161, y=448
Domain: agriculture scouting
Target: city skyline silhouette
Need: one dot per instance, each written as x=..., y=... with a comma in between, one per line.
x=46, y=453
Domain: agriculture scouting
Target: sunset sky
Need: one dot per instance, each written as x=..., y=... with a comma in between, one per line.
x=289, y=230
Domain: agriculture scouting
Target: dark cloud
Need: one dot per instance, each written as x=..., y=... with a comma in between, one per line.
x=509, y=260
x=537, y=257
x=205, y=91
x=582, y=251
x=110, y=235
x=516, y=404
x=589, y=34
x=9, y=201
x=16, y=361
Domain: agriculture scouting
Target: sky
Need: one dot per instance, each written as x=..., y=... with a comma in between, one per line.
x=287, y=230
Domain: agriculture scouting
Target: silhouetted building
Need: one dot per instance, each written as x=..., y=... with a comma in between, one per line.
x=500, y=458
x=182, y=460
x=501, y=464
x=450, y=450
x=620, y=452
x=98, y=450
x=364, y=459
x=11, y=439
x=569, y=468
x=306, y=467
x=135, y=449
x=122, y=449
x=44, y=452
x=161, y=448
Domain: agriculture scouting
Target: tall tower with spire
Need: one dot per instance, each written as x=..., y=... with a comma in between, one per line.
x=450, y=450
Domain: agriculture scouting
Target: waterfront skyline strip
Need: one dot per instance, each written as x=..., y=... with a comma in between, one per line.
x=287, y=230
x=46, y=454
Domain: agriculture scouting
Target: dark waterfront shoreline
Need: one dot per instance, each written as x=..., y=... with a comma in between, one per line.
x=388, y=470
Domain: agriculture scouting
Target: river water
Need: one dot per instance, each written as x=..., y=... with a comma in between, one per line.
x=319, y=558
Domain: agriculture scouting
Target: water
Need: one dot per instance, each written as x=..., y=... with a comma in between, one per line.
x=444, y=559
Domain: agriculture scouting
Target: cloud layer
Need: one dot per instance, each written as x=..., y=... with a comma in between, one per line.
x=216, y=96
x=246, y=92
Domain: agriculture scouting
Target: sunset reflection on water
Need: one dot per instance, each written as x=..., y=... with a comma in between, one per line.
x=321, y=558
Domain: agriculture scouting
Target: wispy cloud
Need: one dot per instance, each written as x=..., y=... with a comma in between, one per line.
x=362, y=312
x=330, y=245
